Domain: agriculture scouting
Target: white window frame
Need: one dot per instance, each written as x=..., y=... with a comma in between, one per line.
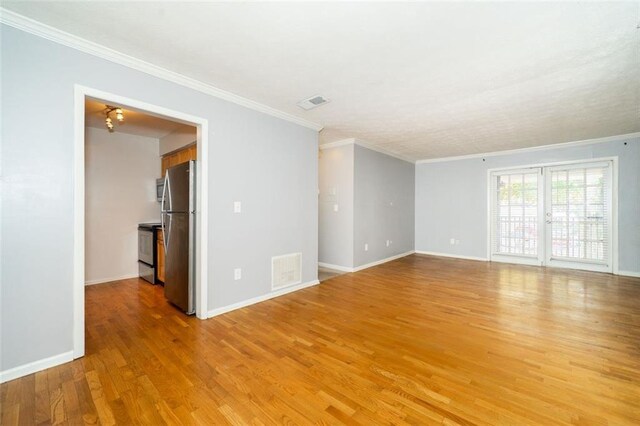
x=504, y=258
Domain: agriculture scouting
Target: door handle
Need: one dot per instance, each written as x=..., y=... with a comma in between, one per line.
x=164, y=233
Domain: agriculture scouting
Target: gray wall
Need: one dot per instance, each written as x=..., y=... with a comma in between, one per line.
x=451, y=198
x=267, y=163
x=384, y=206
x=335, y=229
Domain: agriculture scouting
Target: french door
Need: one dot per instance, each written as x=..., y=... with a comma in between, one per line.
x=554, y=216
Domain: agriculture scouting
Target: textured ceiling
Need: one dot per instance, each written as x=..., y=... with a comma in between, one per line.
x=422, y=80
x=135, y=123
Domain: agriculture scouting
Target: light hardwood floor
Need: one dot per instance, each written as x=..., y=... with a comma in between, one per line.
x=421, y=340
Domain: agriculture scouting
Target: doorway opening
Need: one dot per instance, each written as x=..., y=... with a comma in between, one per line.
x=558, y=215
x=123, y=150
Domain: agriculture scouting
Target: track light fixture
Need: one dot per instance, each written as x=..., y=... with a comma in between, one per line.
x=108, y=121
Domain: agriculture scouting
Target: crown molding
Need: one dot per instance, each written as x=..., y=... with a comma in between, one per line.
x=336, y=144
x=39, y=29
x=354, y=141
x=623, y=137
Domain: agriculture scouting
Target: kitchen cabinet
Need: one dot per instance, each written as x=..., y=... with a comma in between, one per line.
x=183, y=155
x=160, y=254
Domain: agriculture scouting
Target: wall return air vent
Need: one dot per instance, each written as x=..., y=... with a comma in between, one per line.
x=312, y=102
x=286, y=270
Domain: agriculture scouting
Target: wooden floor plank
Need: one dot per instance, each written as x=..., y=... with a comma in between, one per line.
x=420, y=340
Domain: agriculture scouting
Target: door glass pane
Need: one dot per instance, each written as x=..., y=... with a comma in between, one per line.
x=578, y=214
x=517, y=214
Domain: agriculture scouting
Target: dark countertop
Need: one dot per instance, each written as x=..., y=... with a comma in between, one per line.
x=150, y=225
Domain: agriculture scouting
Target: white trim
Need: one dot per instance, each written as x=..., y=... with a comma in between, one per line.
x=363, y=144
x=58, y=36
x=108, y=280
x=35, y=366
x=614, y=215
x=264, y=297
x=202, y=216
x=78, y=222
x=202, y=219
x=629, y=274
x=337, y=144
x=335, y=267
x=553, y=164
x=453, y=256
x=381, y=261
x=623, y=137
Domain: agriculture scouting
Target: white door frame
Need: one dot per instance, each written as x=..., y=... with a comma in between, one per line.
x=583, y=264
x=614, y=206
x=202, y=217
x=514, y=258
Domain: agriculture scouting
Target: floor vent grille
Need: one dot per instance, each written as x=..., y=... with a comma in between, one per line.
x=286, y=270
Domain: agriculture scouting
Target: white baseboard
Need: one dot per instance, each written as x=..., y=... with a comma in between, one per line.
x=455, y=256
x=35, y=366
x=381, y=261
x=629, y=274
x=335, y=267
x=108, y=280
x=254, y=300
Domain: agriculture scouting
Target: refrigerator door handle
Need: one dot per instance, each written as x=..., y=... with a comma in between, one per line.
x=164, y=191
x=164, y=233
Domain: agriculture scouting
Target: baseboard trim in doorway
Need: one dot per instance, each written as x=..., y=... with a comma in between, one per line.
x=453, y=256
x=254, y=300
x=335, y=267
x=381, y=261
x=108, y=280
x=629, y=274
x=35, y=366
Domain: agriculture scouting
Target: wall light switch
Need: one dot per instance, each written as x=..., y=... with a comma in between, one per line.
x=388, y=243
x=237, y=273
x=366, y=247
x=237, y=207
x=452, y=241
x=335, y=207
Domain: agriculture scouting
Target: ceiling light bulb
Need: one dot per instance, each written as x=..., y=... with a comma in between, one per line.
x=119, y=114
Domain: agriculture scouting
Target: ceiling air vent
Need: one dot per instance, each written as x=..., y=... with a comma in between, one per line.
x=312, y=102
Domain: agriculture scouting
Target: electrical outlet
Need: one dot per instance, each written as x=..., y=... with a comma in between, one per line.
x=237, y=274
x=237, y=207
x=366, y=247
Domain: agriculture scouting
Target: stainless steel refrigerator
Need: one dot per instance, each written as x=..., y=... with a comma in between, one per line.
x=179, y=227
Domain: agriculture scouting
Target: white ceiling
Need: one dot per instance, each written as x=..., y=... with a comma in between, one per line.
x=421, y=80
x=135, y=122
